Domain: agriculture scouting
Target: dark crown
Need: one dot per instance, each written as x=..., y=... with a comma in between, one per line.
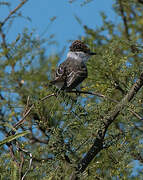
x=78, y=45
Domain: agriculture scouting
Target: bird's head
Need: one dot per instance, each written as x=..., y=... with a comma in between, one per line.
x=79, y=50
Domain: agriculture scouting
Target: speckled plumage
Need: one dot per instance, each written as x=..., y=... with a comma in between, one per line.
x=73, y=70
x=70, y=73
x=78, y=46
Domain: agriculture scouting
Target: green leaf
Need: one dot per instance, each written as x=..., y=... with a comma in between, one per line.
x=13, y=137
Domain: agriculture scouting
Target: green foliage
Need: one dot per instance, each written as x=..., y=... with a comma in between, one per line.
x=13, y=137
x=63, y=127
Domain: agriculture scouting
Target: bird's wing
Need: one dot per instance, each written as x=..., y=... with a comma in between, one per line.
x=76, y=73
x=60, y=74
x=70, y=73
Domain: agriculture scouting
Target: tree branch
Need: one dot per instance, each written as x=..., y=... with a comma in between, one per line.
x=106, y=122
x=124, y=20
x=4, y=44
x=2, y=34
x=140, y=1
x=93, y=93
x=13, y=12
x=29, y=110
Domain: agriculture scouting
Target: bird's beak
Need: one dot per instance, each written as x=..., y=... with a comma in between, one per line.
x=92, y=53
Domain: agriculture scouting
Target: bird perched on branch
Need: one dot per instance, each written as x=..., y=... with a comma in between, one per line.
x=73, y=70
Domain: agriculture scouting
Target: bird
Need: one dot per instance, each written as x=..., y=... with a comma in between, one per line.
x=70, y=74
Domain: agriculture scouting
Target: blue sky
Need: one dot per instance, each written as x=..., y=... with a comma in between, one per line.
x=65, y=27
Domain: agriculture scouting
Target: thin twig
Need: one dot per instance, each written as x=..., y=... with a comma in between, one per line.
x=21, y=164
x=27, y=105
x=30, y=161
x=2, y=34
x=93, y=93
x=4, y=44
x=13, y=12
x=136, y=114
x=124, y=20
x=46, y=97
x=23, y=119
x=29, y=110
x=12, y=154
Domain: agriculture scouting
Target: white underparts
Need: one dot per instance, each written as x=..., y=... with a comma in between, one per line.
x=79, y=56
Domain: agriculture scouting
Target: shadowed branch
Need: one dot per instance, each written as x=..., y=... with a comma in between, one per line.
x=107, y=120
x=93, y=93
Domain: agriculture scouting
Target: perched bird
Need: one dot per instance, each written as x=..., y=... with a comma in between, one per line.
x=73, y=70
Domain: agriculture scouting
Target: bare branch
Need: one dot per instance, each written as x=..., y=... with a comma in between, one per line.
x=30, y=161
x=12, y=154
x=21, y=164
x=124, y=20
x=93, y=93
x=13, y=12
x=4, y=44
x=136, y=114
x=23, y=119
